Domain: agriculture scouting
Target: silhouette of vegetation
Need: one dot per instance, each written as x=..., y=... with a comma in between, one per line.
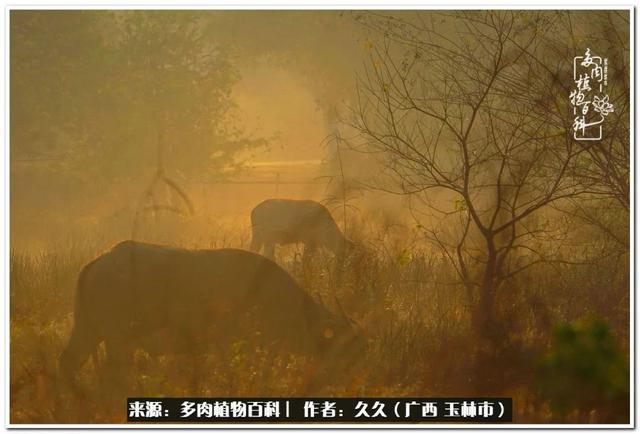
x=400, y=294
x=466, y=116
x=585, y=371
x=484, y=234
x=115, y=81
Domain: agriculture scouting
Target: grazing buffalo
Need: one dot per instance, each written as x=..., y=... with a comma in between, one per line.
x=286, y=221
x=176, y=301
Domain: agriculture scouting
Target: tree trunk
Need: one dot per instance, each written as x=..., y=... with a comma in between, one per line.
x=487, y=337
x=484, y=316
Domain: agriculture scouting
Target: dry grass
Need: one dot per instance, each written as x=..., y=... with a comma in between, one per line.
x=404, y=296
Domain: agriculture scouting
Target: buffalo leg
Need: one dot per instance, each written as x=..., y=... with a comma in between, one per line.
x=118, y=367
x=81, y=345
x=256, y=242
x=270, y=250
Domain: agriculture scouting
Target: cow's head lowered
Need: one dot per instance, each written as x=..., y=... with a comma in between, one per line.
x=170, y=300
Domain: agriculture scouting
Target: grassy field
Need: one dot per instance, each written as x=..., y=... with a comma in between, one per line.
x=403, y=294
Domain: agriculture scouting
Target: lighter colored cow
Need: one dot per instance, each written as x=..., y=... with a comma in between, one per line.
x=287, y=221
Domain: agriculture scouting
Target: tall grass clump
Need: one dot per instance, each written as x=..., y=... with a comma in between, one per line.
x=401, y=293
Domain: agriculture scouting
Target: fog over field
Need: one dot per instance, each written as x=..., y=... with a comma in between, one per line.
x=472, y=243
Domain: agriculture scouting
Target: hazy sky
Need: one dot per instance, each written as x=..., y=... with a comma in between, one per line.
x=283, y=75
x=275, y=102
x=292, y=71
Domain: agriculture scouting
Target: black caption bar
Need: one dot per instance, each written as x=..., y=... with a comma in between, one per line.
x=319, y=410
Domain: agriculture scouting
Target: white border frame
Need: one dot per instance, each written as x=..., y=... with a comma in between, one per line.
x=292, y=5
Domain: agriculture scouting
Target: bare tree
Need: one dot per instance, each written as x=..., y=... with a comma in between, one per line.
x=467, y=120
x=605, y=167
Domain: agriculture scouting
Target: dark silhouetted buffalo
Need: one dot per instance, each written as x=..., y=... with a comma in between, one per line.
x=170, y=300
